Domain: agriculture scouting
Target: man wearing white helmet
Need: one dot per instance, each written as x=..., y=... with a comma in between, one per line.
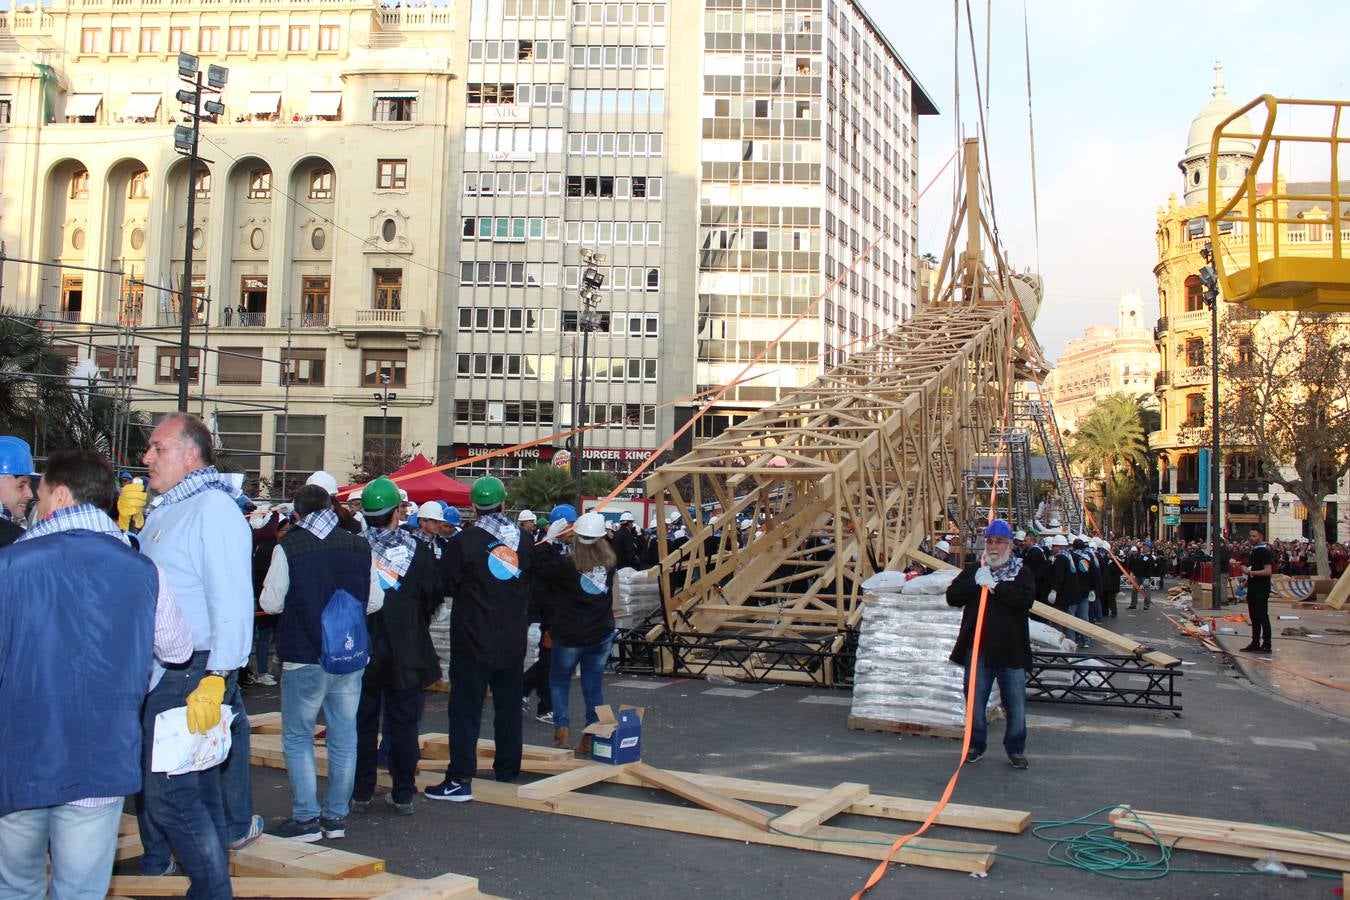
x=627, y=548
x=348, y=521
x=1110, y=578
x=529, y=524
x=1065, y=588
x=431, y=526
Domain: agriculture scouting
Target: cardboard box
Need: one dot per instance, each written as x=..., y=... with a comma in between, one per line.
x=616, y=739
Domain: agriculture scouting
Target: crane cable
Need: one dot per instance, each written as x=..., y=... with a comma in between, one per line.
x=1031, y=138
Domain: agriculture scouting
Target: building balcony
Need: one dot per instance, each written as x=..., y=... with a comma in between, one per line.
x=314, y=320
x=1191, y=376
x=1161, y=380
x=353, y=323
x=1245, y=486
x=1197, y=319
x=1160, y=329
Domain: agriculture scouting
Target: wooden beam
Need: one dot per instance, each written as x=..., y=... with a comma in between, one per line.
x=818, y=810
x=1103, y=636
x=273, y=856
x=688, y=790
x=281, y=888
x=1241, y=851
x=1340, y=591
x=557, y=785
x=1245, y=834
x=443, y=886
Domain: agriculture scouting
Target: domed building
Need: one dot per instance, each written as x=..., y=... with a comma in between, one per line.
x=1183, y=337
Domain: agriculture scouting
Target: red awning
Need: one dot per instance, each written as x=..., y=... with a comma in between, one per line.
x=424, y=487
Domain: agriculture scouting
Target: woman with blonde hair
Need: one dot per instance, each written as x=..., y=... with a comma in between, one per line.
x=582, y=620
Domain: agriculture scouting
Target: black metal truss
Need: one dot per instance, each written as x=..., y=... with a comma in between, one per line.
x=749, y=658
x=1102, y=680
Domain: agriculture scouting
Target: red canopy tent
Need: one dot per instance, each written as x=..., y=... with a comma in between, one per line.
x=424, y=487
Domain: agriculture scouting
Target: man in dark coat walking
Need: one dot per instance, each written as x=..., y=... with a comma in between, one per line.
x=1006, y=589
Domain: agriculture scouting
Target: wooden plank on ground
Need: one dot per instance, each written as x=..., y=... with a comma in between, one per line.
x=818, y=810
x=271, y=856
x=908, y=809
x=1222, y=848
x=280, y=888
x=437, y=746
x=1334, y=848
x=575, y=780
x=1103, y=635
x=448, y=885
x=687, y=790
x=265, y=723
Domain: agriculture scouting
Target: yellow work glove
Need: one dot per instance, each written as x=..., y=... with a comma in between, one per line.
x=131, y=505
x=203, y=704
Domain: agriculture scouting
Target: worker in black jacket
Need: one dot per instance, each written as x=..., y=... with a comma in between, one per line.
x=486, y=570
x=403, y=660
x=1006, y=589
x=627, y=548
x=1110, y=578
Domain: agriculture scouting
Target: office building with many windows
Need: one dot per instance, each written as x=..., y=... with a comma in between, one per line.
x=411, y=193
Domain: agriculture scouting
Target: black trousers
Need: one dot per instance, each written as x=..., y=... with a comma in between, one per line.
x=536, y=680
x=1109, y=599
x=469, y=682
x=1258, y=610
x=402, y=711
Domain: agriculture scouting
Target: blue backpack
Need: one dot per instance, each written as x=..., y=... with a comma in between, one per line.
x=346, y=645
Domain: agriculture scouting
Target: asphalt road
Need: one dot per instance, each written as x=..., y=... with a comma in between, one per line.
x=1236, y=752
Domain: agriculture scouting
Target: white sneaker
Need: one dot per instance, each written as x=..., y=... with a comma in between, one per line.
x=266, y=679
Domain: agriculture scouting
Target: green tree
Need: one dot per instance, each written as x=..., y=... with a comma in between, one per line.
x=39, y=403
x=598, y=484
x=1112, y=448
x=541, y=487
x=1286, y=397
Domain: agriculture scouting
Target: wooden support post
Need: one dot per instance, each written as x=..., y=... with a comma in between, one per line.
x=1102, y=635
x=557, y=785
x=818, y=810
x=687, y=790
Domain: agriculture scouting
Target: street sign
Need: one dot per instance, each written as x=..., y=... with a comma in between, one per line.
x=1172, y=509
x=1171, y=520
x=1172, y=499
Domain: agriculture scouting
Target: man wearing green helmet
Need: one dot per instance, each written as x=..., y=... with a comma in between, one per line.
x=486, y=570
x=403, y=660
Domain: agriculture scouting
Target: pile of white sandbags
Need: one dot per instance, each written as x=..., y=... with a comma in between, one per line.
x=635, y=595
x=902, y=676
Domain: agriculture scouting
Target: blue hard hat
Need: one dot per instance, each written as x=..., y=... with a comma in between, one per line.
x=125, y=476
x=451, y=514
x=15, y=456
x=999, y=529
x=563, y=511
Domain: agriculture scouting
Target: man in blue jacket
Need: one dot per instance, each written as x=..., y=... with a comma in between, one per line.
x=83, y=617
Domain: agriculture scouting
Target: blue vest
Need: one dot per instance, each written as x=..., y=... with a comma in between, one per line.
x=318, y=568
x=77, y=616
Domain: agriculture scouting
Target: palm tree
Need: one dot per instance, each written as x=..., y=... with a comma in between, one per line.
x=35, y=398
x=1111, y=445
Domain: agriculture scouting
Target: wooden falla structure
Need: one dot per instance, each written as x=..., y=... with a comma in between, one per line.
x=841, y=478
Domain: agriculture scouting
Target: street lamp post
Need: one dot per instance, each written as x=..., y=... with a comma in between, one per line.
x=384, y=397
x=1211, y=297
x=185, y=140
x=588, y=320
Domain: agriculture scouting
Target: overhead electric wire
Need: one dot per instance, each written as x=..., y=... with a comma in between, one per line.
x=1031, y=139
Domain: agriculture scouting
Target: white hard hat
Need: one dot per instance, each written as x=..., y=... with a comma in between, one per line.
x=403, y=495
x=672, y=517
x=625, y=517
x=1059, y=540
x=944, y=546
x=611, y=526
x=526, y=515
x=589, y=527
x=412, y=508
x=745, y=524
x=323, y=480
x=1020, y=535
x=431, y=511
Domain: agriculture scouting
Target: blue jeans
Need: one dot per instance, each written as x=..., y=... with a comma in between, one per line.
x=592, y=660
x=184, y=812
x=1012, y=685
x=1079, y=609
x=83, y=843
x=264, y=635
x=304, y=691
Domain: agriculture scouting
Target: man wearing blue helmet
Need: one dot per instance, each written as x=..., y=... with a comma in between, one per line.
x=1006, y=589
x=16, y=487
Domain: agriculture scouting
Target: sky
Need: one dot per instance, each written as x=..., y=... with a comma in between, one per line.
x=1115, y=86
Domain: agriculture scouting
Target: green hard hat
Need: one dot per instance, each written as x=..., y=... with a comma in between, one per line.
x=380, y=496
x=488, y=491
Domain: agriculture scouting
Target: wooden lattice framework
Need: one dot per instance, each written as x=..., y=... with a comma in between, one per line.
x=845, y=477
